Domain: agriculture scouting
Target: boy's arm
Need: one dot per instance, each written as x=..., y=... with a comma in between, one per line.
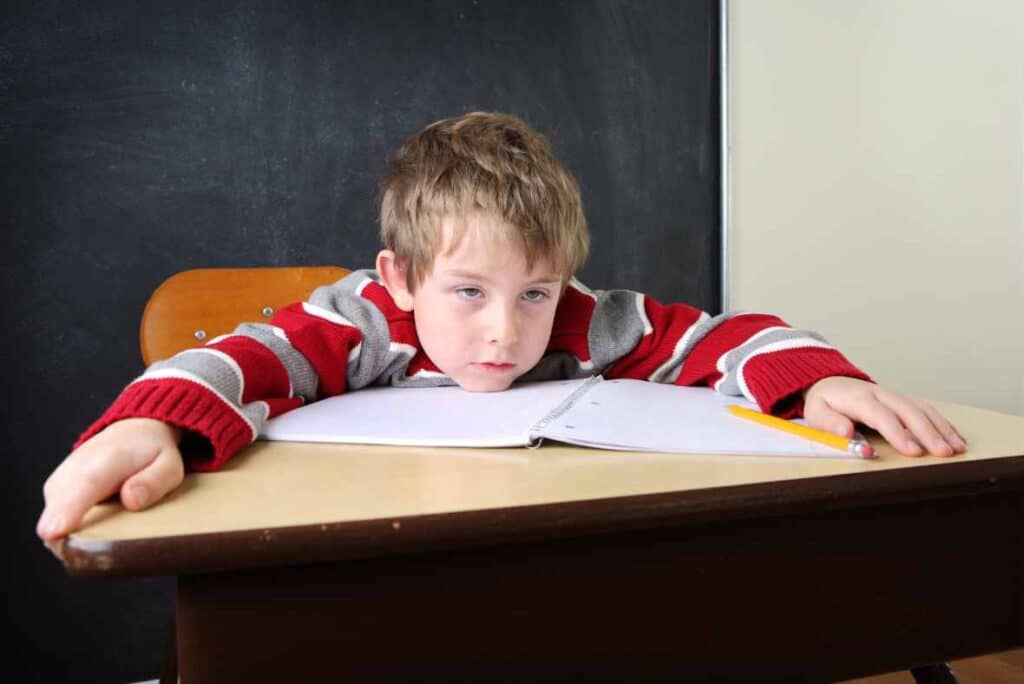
x=226, y=390
x=758, y=356
x=137, y=458
x=761, y=358
x=219, y=395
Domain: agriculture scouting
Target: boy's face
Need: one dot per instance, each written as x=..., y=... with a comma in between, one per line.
x=481, y=316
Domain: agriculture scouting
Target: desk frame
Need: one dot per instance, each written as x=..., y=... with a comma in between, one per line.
x=815, y=579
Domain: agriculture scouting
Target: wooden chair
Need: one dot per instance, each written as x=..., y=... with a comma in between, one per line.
x=192, y=307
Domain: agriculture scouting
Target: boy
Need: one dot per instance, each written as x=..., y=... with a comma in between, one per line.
x=483, y=230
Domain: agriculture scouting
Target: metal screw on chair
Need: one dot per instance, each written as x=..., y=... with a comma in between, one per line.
x=200, y=335
x=268, y=312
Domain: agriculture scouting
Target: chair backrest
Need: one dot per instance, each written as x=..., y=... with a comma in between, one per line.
x=192, y=307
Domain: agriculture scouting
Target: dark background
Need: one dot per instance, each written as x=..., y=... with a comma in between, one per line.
x=142, y=139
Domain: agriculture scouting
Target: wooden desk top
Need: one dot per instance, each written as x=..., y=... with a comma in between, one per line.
x=280, y=503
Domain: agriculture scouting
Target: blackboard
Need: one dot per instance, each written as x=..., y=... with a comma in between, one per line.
x=141, y=139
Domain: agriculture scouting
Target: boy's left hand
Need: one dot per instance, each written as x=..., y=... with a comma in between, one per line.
x=834, y=403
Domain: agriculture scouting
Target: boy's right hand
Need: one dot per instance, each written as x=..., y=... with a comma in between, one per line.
x=138, y=456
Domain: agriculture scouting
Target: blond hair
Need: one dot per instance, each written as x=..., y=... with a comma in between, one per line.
x=481, y=161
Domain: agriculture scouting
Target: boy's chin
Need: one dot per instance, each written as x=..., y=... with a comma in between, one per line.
x=484, y=384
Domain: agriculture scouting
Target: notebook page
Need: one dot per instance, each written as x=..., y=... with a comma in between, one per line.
x=645, y=416
x=423, y=416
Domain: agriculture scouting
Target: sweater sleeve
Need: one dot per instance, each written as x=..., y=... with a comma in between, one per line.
x=757, y=356
x=226, y=390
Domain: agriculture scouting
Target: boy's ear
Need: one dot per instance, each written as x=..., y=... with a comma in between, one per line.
x=392, y=275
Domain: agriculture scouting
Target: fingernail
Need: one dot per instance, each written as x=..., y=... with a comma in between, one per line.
x=43, y=525
x=139, y=496
x=54, y=527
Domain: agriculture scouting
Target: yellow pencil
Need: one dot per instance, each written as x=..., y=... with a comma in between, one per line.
x=854, y=447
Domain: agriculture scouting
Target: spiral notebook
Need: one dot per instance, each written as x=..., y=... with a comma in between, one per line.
x=629, y=415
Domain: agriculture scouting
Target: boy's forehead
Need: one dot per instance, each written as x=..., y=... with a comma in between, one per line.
x=483, y=241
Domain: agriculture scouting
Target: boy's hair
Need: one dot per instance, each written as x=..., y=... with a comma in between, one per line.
x=481, y=161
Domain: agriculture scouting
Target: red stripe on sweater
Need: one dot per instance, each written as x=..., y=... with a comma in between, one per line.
x=324, y=343
x=186, y=405
x=421, y=362
x=777, y=379
x=572, y=323
x=279, y=406
x=401, y=324
x=263, y=373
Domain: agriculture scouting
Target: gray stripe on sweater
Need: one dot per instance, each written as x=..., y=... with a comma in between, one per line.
x=397, y=378
x=561, y=365
x=256, y=412
x=207, y=365
x=615, y=329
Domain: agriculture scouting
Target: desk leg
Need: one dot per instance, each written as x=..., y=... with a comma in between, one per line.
x=169, y=671
x=934, y=674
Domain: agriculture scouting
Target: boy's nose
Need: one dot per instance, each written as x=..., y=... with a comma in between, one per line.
x=502, y=327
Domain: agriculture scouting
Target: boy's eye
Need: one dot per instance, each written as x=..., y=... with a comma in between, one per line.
x=535, y=295
x=469, y=292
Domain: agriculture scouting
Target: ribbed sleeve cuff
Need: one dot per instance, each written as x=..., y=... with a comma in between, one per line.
x=186, y=405
x=777, y=379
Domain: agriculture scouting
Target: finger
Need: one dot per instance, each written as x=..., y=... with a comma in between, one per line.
x=918, y=422
x=150, y=485
x=945, y=428
x=823, y=417
x=882, y=419
x=79, y=483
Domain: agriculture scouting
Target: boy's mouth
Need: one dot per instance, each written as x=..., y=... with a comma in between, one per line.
x=496, y=367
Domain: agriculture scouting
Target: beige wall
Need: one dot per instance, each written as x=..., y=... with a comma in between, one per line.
x=877, y=193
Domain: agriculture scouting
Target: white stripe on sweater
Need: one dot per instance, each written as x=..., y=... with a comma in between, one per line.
x=280, y=334
x=424, y=373
x=580, y=287
x=402, y=348
x=781, y=345
x=638, y=300
x=353, y=353
x=720, y=363
x=663, y=370
x=327, y=315
x=362, y=286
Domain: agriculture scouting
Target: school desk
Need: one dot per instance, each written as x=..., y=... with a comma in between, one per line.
x=307, y=562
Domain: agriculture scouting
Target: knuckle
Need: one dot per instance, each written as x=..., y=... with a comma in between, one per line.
x=92, y=479
x=176, y=473
x=49, y=486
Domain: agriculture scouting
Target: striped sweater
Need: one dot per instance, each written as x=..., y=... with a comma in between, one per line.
x=351, y=334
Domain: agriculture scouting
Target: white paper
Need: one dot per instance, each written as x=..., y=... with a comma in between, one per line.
x=612, y=414
x=423, y=416
x=645, y=416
